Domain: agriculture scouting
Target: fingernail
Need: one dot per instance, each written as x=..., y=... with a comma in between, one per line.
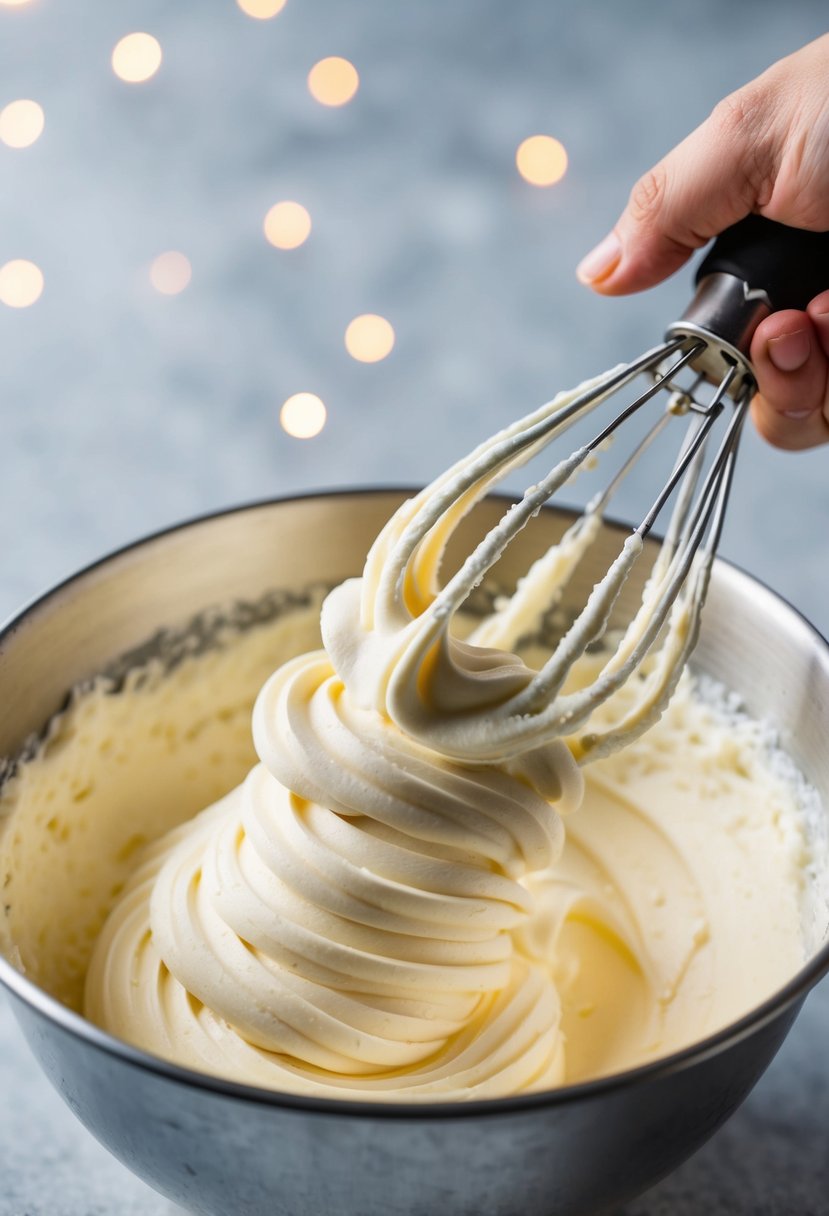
x=790, y=351
x=600, y=261
x=797, y=414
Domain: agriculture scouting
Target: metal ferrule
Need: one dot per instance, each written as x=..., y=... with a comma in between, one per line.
x=725, y=312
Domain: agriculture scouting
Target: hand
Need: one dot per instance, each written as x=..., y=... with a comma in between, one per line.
x=764, y=149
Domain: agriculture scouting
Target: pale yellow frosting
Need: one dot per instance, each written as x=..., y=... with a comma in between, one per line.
x=673, y=908
x=386, y=907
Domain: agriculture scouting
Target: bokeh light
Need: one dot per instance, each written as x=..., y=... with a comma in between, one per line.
x=170, y=272
x=369, y=338
x=21, y=283
x=13, y=3
x=541, y=160
x=287, y=225
x=333, y=81
x=261, y=9
x=303, y=416
x=21, y=123
x=136, y=58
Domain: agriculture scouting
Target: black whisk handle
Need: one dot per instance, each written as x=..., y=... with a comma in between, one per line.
x=790, y=265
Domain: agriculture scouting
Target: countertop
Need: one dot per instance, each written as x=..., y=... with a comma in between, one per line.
x=124, y=410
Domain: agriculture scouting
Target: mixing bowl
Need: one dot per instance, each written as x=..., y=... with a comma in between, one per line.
x=222, y=1148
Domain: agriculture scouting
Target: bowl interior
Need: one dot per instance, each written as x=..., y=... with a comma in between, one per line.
x=144, y=601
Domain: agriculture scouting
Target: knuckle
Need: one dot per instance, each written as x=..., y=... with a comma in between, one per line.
x=800, y=192
x=741, y=124
x=648, y=195
x=734, y=115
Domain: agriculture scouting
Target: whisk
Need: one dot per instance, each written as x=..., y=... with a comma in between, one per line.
x=482, y=705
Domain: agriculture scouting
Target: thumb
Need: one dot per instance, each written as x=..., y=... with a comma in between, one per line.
x=720, y=173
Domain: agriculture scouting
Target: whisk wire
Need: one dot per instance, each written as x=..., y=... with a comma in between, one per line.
x=713, y=412
x=658, y=637
x=599, y=501
x=592, y=621
x=465, y=483
x=668, y=663
x=660, y=381
x=491, y=548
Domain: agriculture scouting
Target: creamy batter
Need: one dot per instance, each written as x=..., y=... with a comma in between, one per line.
x=390, y=905
x=673, y=908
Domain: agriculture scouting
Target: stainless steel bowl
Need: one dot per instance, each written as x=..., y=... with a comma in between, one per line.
x=219, y=1148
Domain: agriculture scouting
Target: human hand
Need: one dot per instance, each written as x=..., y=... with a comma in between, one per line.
x=764, y=149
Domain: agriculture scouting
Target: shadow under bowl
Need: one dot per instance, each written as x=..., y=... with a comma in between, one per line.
x=216, y=1147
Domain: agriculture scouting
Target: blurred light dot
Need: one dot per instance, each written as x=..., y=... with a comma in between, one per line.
x=21, y=283
x=13, y=3
x=261, y=9
x=541, y=160
x=287, y=225
x=303, y=416
x=21, y=122
x=333, y=82
x=369, y=338
x=136, y=58
x=170, y=273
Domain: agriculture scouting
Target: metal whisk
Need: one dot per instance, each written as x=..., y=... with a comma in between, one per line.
x=703, y=369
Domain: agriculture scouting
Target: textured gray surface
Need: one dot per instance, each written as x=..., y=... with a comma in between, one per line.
x=123, y=411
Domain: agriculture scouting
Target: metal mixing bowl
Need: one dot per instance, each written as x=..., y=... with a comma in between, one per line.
x=219, y=1148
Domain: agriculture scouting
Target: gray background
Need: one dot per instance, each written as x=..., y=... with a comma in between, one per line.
x=124, y=411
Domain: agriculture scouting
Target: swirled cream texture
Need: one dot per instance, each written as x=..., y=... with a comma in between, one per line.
x=347, y=923
x=270, y=940
x=389, y=907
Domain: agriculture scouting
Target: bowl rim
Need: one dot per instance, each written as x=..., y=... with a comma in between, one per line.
x=49, y=1008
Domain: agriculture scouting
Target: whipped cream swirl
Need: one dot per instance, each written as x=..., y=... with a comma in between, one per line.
x=357, y=917
x=343, y=919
